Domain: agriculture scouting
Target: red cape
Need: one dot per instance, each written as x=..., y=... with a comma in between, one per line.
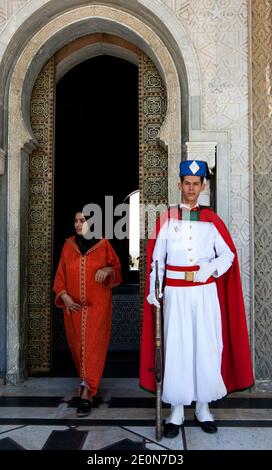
x=236, y=368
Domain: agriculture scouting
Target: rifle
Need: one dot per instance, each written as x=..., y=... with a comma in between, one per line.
x=158, y=359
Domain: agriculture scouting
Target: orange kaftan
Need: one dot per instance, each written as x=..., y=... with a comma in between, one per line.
x=89, y=329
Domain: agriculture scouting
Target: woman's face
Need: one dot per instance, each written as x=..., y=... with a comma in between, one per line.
x=81, y=226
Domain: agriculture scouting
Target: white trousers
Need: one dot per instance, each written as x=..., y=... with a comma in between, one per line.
x=193, y=345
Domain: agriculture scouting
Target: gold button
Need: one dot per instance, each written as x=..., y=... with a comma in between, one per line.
x=190, y=238
x=191, y=259
x=190, y=226
x=189, y=249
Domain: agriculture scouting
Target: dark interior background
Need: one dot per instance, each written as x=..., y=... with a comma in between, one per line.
x=96, y=154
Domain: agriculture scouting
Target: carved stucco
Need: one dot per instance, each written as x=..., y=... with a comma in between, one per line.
x=218, y=31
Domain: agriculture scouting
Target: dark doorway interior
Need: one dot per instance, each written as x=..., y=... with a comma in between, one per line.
x=97, y=155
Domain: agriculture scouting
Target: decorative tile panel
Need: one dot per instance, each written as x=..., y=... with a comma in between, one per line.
x=40, y=222
x=125, y=321
x=153, y=164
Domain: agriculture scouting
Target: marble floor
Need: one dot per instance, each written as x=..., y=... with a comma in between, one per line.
x=40, y=414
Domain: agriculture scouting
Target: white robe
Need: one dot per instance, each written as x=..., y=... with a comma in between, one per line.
x=192, y=319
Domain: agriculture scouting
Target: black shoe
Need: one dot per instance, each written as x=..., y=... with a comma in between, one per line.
x=206, y=426
x=171, y=430
x=84, y=408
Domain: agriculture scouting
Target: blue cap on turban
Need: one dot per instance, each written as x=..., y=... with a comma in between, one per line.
x=194, y=168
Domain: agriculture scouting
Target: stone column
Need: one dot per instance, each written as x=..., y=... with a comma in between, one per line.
x=261, y=42
x=3, y=264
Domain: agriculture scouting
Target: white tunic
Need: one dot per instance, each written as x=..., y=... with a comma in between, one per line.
x=192, y=320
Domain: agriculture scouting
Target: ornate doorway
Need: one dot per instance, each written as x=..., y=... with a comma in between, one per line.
x=153, y=176
x=98, y=164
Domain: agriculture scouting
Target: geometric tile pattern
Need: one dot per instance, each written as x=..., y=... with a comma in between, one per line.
x=152, y=110
x=233, y=435
x=122, y=418
x=40, y=222
x=9, y=444
x=262, y=164
x=153, y=159
x=70, y=439
x=126, y=322
x=125, y=444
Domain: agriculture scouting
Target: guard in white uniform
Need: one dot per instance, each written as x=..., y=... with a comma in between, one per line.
x=192, y=250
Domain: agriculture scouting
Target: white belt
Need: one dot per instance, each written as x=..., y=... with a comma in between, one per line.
x=177, y=274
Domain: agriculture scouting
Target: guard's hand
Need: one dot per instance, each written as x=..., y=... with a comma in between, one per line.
x=69, y=303
x=206, y=270
x=103, y=273
x=152, y=299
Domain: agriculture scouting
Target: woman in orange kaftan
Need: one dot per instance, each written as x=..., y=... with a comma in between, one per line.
x=87, y=271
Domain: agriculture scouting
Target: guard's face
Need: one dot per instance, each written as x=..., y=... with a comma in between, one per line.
x=191, y=187
x=80, y=224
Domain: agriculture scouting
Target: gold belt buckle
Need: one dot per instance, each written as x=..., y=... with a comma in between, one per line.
x=190, y=276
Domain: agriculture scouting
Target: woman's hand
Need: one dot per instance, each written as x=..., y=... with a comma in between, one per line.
x=69, y=303
x=102, y=274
